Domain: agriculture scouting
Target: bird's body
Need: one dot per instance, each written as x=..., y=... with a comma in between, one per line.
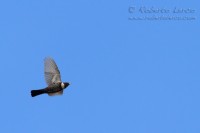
x=53, y=80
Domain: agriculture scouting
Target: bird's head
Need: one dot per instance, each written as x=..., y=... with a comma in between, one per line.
x=64, y=85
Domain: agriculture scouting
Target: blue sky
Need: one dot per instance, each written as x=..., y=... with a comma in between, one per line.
x=127, y=76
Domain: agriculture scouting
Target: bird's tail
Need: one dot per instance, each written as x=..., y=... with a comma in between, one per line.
x=37, y=92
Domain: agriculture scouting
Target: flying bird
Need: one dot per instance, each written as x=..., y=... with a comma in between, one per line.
x=52, y=78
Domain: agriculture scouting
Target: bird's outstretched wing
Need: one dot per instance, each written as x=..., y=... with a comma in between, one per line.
x=51, y=72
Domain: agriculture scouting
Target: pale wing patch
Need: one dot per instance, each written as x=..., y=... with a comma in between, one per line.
x=51, y=71
x=57, y=93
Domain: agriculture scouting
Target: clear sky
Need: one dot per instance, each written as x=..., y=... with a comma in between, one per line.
x=127, y=76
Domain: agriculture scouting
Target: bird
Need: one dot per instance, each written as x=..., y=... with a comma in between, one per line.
x=53, y=79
